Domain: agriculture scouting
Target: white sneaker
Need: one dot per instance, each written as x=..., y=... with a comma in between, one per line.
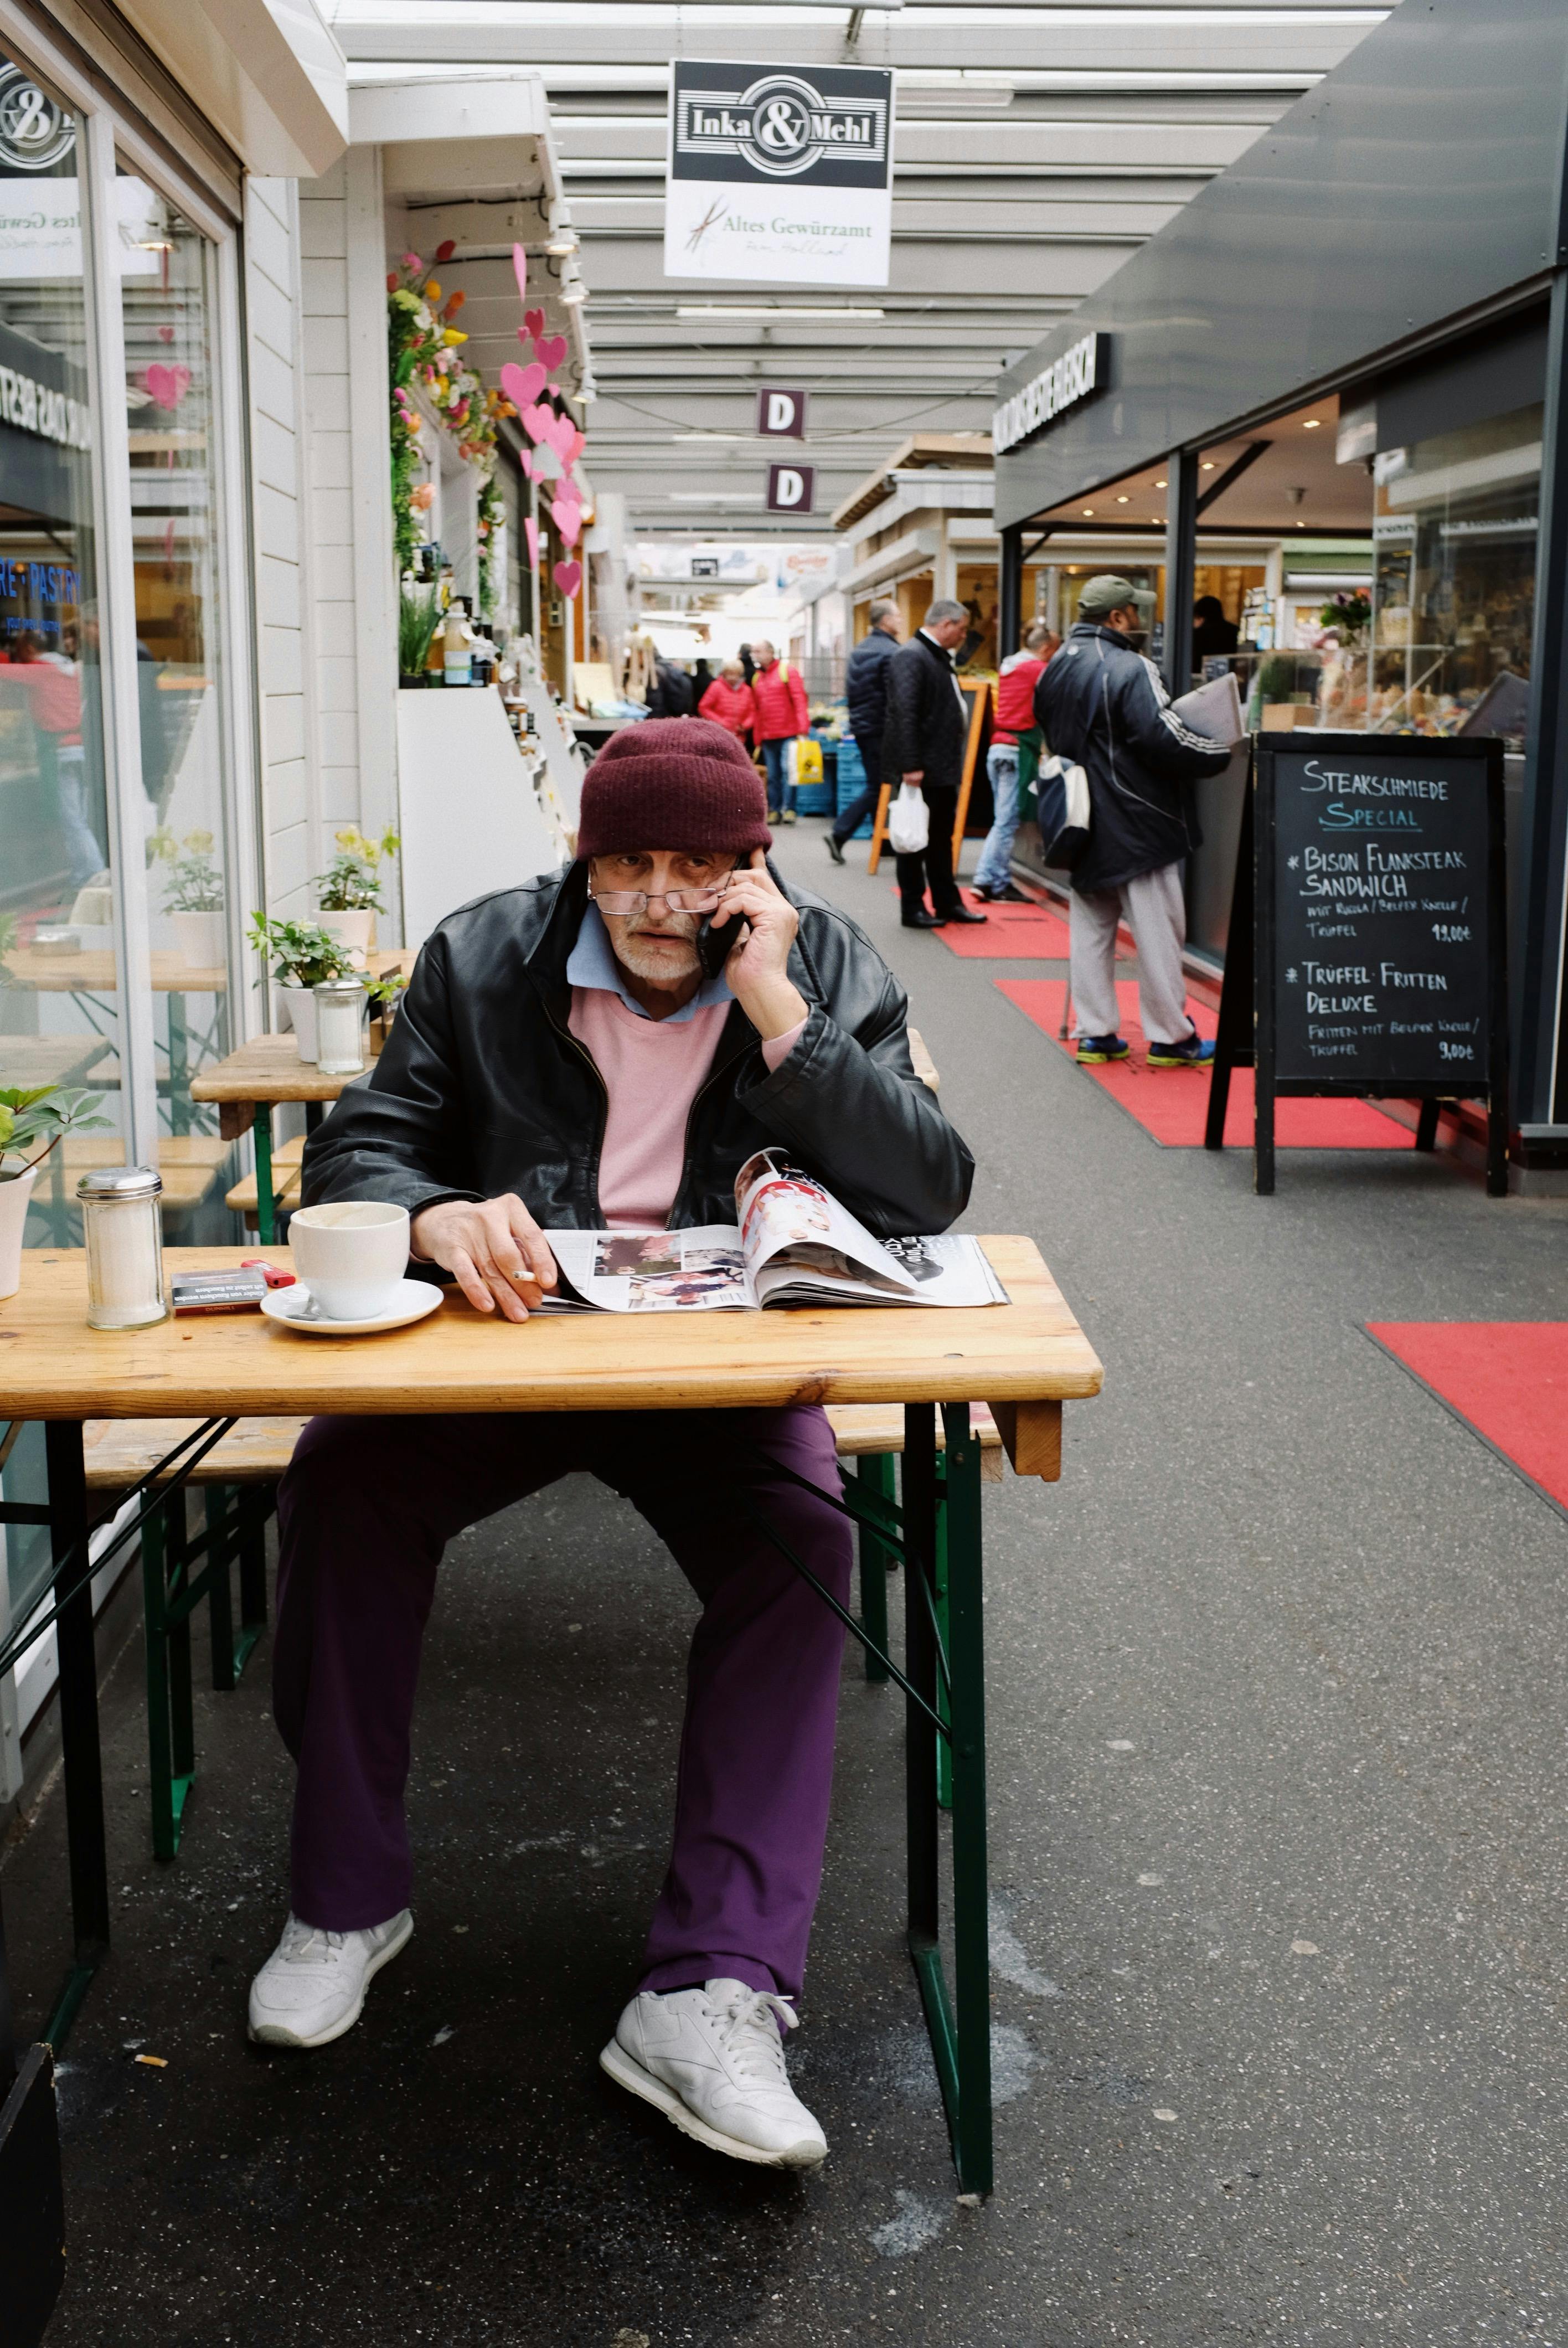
x=311, y=1988
x=713, y=2061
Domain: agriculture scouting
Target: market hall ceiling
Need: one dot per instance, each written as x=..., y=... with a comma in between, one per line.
x=1038, y=146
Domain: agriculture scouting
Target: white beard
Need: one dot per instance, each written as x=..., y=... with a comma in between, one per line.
x=656, y=965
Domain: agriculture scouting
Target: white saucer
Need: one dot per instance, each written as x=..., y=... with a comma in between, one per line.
x=295, y=1308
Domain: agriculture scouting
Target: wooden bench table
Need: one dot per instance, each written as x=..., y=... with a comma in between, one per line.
x=1023, y=1358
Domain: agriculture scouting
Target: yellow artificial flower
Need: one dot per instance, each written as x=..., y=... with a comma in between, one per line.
x=450, y=334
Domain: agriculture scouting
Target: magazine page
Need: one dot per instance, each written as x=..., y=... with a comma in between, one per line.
x=701, y=1271
x=796, y=1236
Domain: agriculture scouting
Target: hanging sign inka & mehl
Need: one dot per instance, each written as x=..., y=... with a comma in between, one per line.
x=779, y=175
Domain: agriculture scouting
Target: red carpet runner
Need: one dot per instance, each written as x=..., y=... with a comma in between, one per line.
x=1508, y=1380
x=1171, y=1104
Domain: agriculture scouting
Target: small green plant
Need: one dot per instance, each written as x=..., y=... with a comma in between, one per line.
x=418, y=617
x=43, y=1113
x=301, y=954
x=382, y=994
x=194, y=884
x=350, y=883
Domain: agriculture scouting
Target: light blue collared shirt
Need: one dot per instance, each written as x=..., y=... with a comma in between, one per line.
x=592, y=962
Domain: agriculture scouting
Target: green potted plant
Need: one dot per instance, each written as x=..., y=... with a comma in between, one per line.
x=348, y=893
x=418, y=617
x=28, y=1115
x=192, y=896
x=301, y=954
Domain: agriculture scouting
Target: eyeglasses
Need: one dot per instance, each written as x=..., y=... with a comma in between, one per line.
x=677, y=900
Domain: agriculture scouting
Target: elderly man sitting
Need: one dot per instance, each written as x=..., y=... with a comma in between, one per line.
x=560, y=1060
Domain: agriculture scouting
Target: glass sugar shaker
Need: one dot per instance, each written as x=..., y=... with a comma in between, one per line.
x=123, y=1225
x=340, y=1026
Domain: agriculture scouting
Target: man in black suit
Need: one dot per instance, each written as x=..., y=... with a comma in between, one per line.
x=926, y=729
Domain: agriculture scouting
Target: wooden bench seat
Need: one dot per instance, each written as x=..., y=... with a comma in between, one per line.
x=119, y=1452
x=875, y=1429
x=244, y=1196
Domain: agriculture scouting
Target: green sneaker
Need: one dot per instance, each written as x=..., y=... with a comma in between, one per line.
x=1094, y=1050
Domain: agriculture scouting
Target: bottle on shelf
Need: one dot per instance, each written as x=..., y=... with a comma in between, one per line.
x=457, y=645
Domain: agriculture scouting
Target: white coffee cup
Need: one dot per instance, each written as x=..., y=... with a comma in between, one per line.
x=352, y=1256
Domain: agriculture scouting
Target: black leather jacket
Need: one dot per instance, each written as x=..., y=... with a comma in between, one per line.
x=1102, y=706
x=482, y=1090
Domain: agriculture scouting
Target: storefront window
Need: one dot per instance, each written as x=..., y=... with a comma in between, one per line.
x=1453, y=596
x=168, y=308
x=58, y=981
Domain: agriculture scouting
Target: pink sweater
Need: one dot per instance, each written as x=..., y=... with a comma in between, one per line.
x=653, y=1070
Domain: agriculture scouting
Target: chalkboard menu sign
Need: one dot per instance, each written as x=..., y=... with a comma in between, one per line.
x=1377, y=961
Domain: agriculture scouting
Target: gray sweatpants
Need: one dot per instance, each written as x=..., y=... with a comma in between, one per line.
x=1153, y=909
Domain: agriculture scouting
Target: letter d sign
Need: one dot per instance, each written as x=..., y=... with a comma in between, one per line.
x=781, y=415
x=791, y=489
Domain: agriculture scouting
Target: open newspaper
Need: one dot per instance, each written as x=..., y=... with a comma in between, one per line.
x=791, y=1244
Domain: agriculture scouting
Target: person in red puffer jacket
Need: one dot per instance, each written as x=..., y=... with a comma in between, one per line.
x=1014, y=718
x=729, y=701
x=778, y=690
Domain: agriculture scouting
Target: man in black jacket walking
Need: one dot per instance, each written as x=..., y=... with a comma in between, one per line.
x=1102, y=706
x=562, y=1060
x=865, y=694
x=928, y=726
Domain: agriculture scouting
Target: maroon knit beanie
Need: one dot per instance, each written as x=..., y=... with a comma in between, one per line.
x=673, y=782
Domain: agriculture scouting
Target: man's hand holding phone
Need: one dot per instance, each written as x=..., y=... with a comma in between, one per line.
x=757, y=967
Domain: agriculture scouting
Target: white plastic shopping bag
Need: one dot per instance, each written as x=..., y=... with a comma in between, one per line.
x=908, y=821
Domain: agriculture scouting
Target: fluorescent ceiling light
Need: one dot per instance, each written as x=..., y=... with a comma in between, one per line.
x=764, y=310
x=706, y=498
x=710, y=436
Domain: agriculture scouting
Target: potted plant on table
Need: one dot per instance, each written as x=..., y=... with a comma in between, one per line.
x=30, y=1114
x=301, y=954
x=192, y=896
x=418, y=617
x=384, y=995
x=348, y=893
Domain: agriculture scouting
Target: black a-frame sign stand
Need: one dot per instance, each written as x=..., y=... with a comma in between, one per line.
x=1247, y=1029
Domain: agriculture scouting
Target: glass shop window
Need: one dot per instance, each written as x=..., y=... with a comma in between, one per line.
x=1454, y=589
x=169, y=300
x=58, y=980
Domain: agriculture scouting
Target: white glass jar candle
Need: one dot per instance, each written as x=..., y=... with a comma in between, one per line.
x=340, y=1026
x=122, y=1224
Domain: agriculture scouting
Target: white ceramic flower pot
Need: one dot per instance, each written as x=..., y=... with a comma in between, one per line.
x=15, y=1196
x=200, y=939
x=354, y=931
x=300, y=1008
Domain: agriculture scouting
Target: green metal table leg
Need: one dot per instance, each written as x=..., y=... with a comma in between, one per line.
x=181, y=1712
x=178, y=1064
x=266, y=1211
x=877, y=1472
x=221, y=1505
x=920, y=1748
x=971, y=1888
x=944, y=1743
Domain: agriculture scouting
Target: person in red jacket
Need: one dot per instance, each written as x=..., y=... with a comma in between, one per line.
x=778, y=691
x=729, y=701
x=1014, y=719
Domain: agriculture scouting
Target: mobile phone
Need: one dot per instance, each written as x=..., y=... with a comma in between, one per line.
x=714, y=947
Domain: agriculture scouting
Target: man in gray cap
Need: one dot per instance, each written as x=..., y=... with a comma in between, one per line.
x=1102, y=706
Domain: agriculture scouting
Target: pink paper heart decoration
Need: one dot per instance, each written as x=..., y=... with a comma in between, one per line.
x=568, y=493
x=569, y=444
x=538, y=423
x=166, y=334
x=532, y=532
x=549, y=350
x=567, y=520
x=520, y=270
x=533, y=323
x=522, y=386
x=568, y=577
x=167, y=384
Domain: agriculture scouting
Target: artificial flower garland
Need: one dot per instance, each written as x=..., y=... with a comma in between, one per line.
x=421, y=352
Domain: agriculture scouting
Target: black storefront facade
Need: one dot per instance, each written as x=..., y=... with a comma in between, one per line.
x=1355, y=339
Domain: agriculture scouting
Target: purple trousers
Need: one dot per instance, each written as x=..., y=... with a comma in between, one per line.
x=364, y=1512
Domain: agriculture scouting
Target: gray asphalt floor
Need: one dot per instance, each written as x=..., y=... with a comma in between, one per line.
x=1278, y=1779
